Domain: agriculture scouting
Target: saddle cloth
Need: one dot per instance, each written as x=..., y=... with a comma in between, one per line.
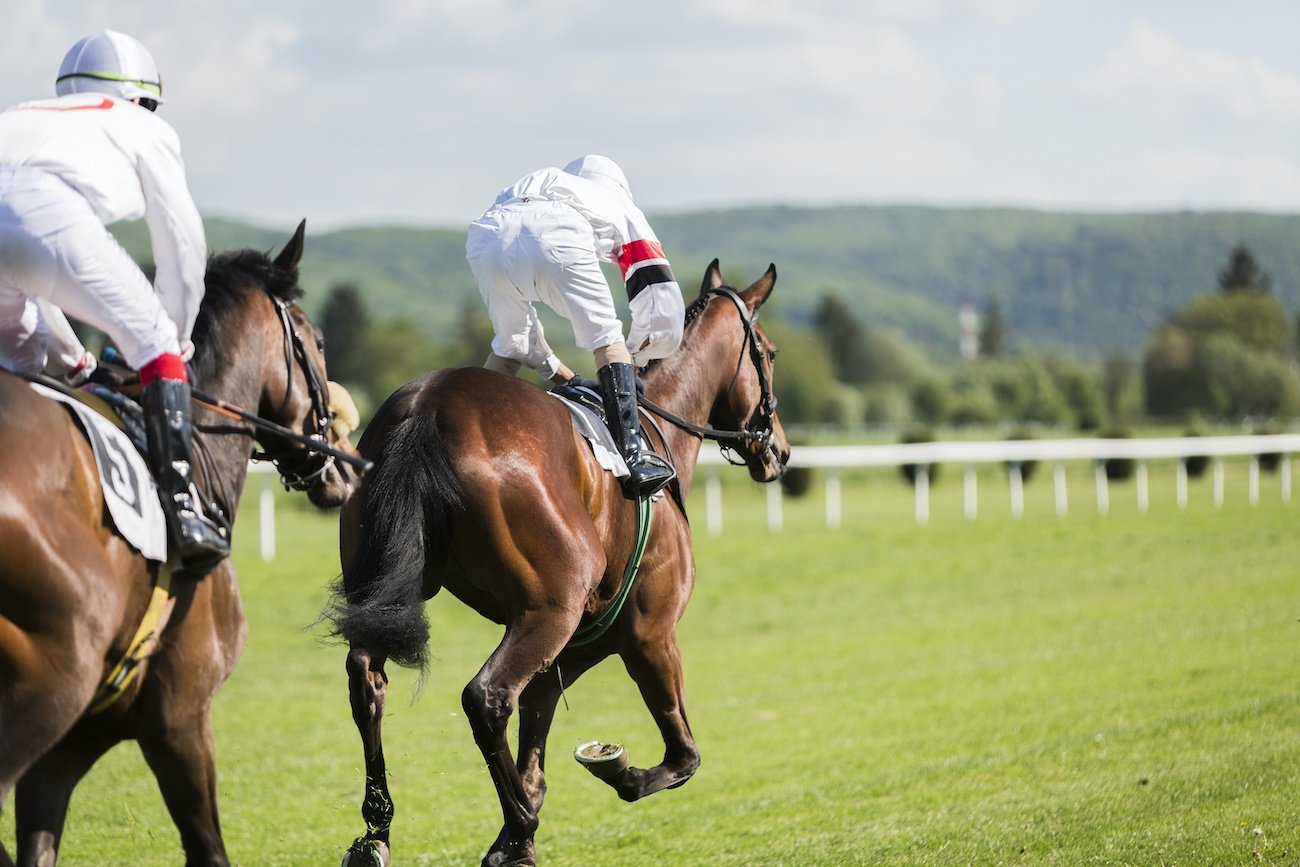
x=593, y=429
x=129, y=490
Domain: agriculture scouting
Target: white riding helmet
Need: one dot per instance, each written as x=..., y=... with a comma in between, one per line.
x=113, y=63
x=601, y=170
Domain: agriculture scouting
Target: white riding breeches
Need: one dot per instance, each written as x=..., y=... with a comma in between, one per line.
x=54, y=248
x=537, y=250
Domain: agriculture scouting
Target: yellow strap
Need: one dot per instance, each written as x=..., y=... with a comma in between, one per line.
x=142, y=645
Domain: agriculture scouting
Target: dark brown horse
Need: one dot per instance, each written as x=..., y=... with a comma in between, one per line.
x=482, y=486
x=72, y=592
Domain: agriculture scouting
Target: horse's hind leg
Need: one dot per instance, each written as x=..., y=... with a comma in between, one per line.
x=530, y=645
x=43, y=793
x=37, y=713
x=367, y=692
x=537, y=705
x=656, y=667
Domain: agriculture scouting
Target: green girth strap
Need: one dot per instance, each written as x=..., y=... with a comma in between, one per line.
x=598, y=627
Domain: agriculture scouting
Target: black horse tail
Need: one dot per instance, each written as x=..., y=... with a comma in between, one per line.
x=411, y=496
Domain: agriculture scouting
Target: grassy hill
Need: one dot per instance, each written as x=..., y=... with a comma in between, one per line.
x=1084, y=283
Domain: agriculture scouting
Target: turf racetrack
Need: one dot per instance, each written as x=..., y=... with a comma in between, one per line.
x=1079, y=690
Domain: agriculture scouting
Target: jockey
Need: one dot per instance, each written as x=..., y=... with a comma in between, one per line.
x=543, y=240
x=69, y=166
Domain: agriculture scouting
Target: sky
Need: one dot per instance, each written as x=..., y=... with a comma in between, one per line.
x=417, y=112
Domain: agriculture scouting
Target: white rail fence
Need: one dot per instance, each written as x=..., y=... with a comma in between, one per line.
x=1013, y=454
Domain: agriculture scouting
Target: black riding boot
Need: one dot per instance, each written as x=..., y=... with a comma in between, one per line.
x=649, y=472
x=198, y=542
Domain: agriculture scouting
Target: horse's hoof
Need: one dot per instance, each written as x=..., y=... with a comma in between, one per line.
x=605, y=761
x=367, y=853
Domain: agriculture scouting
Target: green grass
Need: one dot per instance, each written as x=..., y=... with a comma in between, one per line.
x=1083, y=690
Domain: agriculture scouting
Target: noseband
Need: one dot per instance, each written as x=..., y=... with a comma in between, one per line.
x=322, y=416
x=759, y=434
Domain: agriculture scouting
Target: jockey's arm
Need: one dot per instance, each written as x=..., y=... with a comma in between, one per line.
x=176, y=233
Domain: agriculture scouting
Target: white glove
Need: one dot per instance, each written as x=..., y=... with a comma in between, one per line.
x=81, y=373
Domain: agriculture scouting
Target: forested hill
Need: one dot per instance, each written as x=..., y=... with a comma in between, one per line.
x=1082, y=282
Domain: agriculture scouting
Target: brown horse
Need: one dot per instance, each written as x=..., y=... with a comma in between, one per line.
x=72, y=592
x=482, y=486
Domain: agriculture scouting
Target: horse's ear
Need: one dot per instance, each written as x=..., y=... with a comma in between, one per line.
x=712, y=277
x=289, y=257
x=756, y=294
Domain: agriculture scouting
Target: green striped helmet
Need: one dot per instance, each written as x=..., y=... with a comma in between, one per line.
x=110, y=62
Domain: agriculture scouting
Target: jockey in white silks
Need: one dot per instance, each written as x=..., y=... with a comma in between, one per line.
x=69, y=166
x=543, y=239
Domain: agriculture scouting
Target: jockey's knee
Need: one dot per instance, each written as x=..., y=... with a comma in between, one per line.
x=508, y=366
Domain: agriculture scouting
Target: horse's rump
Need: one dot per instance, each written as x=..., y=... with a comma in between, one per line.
x=454, y=451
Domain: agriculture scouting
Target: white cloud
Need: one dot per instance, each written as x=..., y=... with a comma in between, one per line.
x=877, y=69
x=1152, y=69
x=1205, y=178
x=418, y=110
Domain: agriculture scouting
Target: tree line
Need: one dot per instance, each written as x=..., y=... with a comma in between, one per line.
x=1228, y=355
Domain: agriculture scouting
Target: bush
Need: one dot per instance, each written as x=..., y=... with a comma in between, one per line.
x=1196, y=464
x=918, y=435
x=886, y=404
x=930, y=400
x=1118, y=469
x=797, y=481
x=1268, y=462
x=1026, y=467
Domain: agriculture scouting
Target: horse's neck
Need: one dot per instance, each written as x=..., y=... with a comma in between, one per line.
x=687, y=385
x=222, y=452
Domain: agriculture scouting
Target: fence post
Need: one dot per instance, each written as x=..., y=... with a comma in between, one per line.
x=922, y=494
x=1218, y=483
x=1180, y=483
x=1286, y=478
x=774, y=517
x=1143, y=495
x=1103, y=492
x=971, y=498
x=1252, y=483
x=1016, y=479
x=266, y=519
x=1058, y=484
x=833, y=512
x=713, y=498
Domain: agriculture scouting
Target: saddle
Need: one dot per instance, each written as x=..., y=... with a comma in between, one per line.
x=113, y=427
x=583, y=399
x=584, y=395
x=588, y=416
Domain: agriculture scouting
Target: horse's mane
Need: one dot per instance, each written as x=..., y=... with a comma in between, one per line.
x=228, y=275
x=697, y=307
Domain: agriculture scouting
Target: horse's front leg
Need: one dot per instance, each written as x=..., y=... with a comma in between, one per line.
x=656, y=667
x=367, y=691
x=180, y=749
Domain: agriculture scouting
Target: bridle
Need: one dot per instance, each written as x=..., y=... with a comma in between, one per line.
x=759, y=434
x=295, y=350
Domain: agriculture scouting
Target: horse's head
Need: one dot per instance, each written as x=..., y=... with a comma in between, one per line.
x=747, y=403
x=253, y=329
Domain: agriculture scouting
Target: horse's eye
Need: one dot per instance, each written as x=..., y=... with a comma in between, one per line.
x=771, y=354
x=320, y=342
